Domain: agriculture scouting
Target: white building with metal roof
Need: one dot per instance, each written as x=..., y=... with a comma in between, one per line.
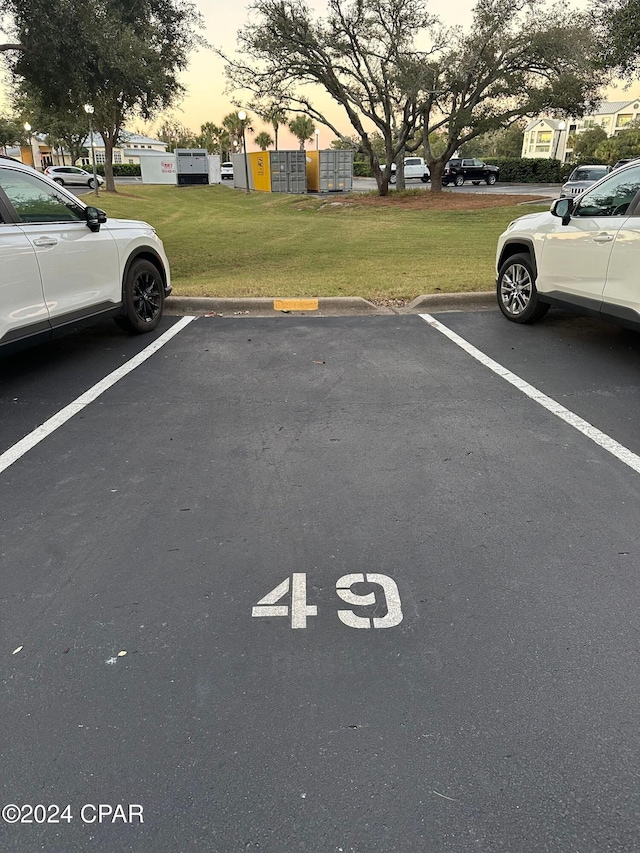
x=128, y=151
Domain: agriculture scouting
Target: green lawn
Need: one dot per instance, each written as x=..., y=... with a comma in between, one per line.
x=223, y=242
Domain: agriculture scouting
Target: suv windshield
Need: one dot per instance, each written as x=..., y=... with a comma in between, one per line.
x=588, y=174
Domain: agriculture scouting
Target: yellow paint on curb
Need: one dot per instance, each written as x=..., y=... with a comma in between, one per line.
x=295, y=304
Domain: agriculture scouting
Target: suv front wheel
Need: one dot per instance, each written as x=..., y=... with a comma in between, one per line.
x=142, y=297
x=459, y=180
x=491, y=179
x=516, y=291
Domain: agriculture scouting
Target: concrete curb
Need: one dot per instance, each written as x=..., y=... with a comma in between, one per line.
x=327, y=306
x=263, y=307
x=451, y=302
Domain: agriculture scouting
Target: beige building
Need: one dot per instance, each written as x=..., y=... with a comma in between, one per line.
x=545, y=138
x=550, y=138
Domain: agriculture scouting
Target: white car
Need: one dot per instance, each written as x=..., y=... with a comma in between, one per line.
x=583, y=254
x=64, y=265
x=72, y=175
x=226, y=171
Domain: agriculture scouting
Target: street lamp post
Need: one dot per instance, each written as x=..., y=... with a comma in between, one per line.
x=560, y=131
x=243, y=117
x=317, y=139
x=27, y=127
x=89, y=110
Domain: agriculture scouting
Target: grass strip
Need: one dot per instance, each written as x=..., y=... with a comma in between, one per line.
x=227, y=243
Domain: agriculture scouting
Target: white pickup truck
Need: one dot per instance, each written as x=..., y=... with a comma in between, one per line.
x=414, y=167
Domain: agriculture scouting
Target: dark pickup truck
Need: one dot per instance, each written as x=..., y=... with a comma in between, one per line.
x=457, y=171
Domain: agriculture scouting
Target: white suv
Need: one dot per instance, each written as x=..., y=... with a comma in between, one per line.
x=583, y=254
x=72, y=175
x=64, y=265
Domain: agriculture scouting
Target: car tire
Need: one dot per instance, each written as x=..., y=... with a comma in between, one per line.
x=142, y=298
x=516, y=291
x=458, y=180
x=59, y=181
x=425, y=179
x=491, y=179
x=90, y=183
x=392, y=179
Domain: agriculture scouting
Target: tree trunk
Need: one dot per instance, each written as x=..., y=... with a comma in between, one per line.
x=110, y=183
x=435, y=170
x=382, y=177
x=275, y=131
x=400, y=181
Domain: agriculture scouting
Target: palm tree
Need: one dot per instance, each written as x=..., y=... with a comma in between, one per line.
x=276, y=116
x=263, y=140
x=302, y=128
x=231, y=122
x=209, y=136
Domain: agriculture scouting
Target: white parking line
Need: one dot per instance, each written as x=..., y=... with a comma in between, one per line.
x=37, y=435
x=600, y=438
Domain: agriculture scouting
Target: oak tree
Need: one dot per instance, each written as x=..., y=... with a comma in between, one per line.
x=124, y=57
x=397, y=71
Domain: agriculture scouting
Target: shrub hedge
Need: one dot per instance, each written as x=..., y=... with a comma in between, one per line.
x=513, y=170
x=534, y=170
x=362, y=169
x=121, y=170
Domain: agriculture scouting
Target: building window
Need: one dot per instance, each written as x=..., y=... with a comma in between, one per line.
x=624, y=120
x=544, y=137
x=130, y=160
x=117, y=157
x=100, y=157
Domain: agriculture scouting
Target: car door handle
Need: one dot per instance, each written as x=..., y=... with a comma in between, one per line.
x=45, y=241
x=603, y=238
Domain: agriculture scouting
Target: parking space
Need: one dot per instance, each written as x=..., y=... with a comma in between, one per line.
x=323, y=584
x=37, y=383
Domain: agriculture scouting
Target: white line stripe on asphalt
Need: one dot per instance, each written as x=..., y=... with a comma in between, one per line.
x=37, y=435
x=600, y=438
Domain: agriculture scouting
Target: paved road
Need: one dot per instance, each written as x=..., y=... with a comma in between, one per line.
x=490, y=703
x=550, y=190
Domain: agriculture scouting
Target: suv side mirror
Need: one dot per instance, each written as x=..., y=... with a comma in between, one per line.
x=563, y=208
x=95, y=218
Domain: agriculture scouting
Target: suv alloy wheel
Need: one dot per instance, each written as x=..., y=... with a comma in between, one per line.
x=516, y=290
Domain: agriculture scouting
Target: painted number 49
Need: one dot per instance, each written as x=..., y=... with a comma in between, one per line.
x=299, y=610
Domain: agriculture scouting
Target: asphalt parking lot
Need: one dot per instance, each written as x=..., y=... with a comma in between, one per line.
x=549, y=190
x=322, y=585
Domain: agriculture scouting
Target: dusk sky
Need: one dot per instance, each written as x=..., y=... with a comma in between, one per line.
x=205, y=81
